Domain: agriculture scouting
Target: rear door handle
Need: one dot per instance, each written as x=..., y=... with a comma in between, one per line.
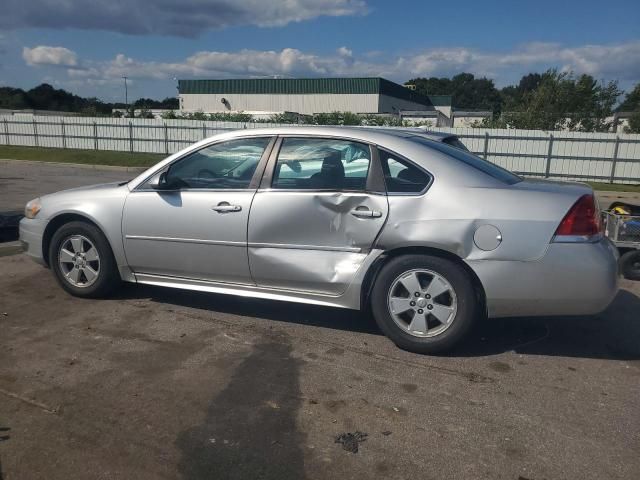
x=226, y=207
x=366, y=213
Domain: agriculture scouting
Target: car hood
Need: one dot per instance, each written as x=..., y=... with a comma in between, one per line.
x=97, y=188
x=89, y=201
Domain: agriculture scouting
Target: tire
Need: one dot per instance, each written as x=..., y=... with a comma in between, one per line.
x=96, y=274
x=630, y=265
x=459, y=299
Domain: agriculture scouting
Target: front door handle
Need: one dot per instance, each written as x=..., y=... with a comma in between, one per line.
x=361, y=212
x=226, y=207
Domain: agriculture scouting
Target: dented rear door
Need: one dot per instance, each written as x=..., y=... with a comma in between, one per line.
x=305, y=238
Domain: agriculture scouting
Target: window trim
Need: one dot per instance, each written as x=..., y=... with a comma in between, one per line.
x=410, y=162
x=253, y=183
x=374, y=173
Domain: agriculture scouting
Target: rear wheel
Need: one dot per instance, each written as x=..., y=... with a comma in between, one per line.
x=630, y=265
x=423, y=303
x=82, y=260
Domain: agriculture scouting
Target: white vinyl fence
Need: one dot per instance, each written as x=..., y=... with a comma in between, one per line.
x=605, y=157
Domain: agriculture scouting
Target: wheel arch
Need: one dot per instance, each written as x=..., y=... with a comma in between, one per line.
x=382, y=260
x=58, y=221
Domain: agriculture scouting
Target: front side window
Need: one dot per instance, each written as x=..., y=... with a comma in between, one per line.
x=401, y=176
x=225, y=165
x=321, y=164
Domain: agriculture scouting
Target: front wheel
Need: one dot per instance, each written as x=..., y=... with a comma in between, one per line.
x=423, y=303
x=82, y=260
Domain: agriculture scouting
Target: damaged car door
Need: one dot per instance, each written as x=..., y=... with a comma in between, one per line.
x=316, y=216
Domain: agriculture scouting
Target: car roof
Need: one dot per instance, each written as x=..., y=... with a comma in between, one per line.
x=415, y=132
x=355, y=132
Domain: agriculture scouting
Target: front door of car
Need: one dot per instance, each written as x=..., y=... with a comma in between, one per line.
x=190, y=220
x=316, y=215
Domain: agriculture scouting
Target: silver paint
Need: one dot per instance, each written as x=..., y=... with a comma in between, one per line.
x=309, y=247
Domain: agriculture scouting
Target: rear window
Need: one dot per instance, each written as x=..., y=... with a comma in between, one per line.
x=486, y=167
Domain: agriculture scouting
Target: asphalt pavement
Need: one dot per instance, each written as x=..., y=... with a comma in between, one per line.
x=158, y=383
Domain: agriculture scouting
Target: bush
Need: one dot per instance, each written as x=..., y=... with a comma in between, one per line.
x=230, y=117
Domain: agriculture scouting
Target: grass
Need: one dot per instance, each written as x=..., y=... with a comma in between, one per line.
x=86, y=157
x=126, y=159
x=615, y=187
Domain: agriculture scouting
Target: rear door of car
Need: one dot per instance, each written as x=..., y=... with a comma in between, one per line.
x=316, y=215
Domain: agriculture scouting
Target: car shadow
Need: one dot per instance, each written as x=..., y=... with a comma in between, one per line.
x=288, y=312
x=613, y=334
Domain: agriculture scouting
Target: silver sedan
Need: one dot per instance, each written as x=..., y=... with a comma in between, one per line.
x=427, y=237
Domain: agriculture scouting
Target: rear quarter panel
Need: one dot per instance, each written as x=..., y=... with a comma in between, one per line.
x=447, y=216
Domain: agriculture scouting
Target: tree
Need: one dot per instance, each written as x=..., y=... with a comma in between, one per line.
x=634, y=123
x=13, y=98
x=592, y=104
x=558, y=101
x=46, y=97
x=467, y=91
x=631, y=102
x=169, y=103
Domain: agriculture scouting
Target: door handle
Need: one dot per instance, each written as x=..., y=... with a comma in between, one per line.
x=366, y=213
x=226, y=207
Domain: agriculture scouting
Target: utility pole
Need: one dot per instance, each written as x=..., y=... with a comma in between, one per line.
x=126, y=93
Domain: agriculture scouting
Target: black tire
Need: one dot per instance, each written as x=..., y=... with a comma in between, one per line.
x=630, y=265
x=459, y=326
x=108, y=278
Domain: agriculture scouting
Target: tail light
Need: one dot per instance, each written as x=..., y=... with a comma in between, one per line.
x=581, y=223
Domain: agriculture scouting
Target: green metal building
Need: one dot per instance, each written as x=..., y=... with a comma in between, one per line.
x=303, y=95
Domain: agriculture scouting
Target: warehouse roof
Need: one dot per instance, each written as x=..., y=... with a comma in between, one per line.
x=363, y=85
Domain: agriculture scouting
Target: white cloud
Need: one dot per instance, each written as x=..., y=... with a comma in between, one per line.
x=611, y=62
x=45, y=55
x=186, y=18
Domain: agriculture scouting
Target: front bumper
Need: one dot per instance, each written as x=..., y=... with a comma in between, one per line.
x=571, y=279
x=31, y=233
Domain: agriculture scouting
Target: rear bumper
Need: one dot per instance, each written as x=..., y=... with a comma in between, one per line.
x=31, y=233
x=571, y=279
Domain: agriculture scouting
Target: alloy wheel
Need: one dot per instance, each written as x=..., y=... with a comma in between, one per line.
x=79, y=261
x=422, y=303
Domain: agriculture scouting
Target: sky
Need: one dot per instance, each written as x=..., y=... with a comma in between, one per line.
x=87, y=46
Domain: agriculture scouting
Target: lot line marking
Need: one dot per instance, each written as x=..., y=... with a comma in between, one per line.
x=33, y=403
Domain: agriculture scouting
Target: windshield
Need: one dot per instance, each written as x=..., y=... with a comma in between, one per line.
x=486, y=167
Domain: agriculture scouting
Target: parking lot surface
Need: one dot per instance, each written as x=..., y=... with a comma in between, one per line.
x=157, y=383
x=20, y=181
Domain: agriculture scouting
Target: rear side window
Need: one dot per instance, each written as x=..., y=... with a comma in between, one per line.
x=488, y=168
x=401, y=176
x=322, y=164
